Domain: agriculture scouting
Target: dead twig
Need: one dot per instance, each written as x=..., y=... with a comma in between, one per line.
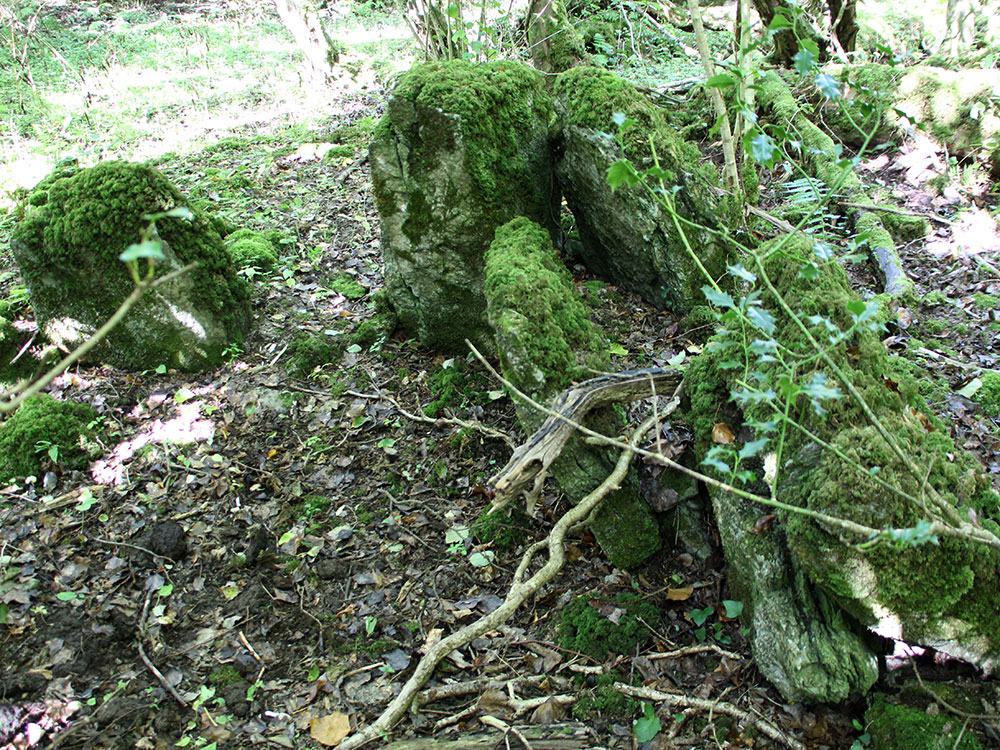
x=701, y=704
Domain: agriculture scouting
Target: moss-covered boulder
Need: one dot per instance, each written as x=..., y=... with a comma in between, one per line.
x=68, y=245
x=546, y=341
x=463, y=148
x=626, y=236
x=804, y=580
x=45, y=433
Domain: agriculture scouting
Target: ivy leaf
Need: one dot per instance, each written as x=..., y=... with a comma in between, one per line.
x=809, y=272
x=762, y=147
x=622, y=173
x=718, y=298
x=647, y=727
x=733, y=608
x=739, y=271
x=762, y=319
x=622, y=120
x=720, y=81
x=698, y=616
x=828, y=86
x=753, y=448
x=804, y=61
x=823, y=250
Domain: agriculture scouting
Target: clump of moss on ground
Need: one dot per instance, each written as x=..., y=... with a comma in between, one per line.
x=894, y=727
x=505, y=529
x=348, y=286
x=456, y=385
x=40, y=424
x=602, y=699
x=309, y=352
x=583, y=628
x=989, y=394
x=249, y=248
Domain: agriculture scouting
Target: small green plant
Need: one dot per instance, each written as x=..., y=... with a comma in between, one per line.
x=457, y=386
x=505, y=529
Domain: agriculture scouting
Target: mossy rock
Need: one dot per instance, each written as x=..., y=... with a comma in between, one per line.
x=42, y=428
x=11, y=341
x=249, y=248
x=938, y=593
x=546, y=341
x=584, y=625
x=627, y=236
x=462, y=149
x=80, y=221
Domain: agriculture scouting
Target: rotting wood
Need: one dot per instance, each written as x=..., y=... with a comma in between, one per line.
x=529, y=465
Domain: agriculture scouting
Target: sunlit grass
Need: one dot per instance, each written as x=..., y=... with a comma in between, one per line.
x=142, y=85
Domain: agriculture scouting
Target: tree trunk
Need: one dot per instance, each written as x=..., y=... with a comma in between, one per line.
x=555, y=44
x=843, y=19
x=785, y=44
x=961, y=21
x=302, y=20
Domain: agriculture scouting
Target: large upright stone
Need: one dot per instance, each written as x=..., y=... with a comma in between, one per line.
x=804, y=579
x=463, y=148
x=627, y=237
x=68, y=246
x=546, y=340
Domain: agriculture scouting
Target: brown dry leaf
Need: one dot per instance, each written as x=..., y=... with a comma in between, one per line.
x=679, y=595
x=722, y=434
x=329, y=730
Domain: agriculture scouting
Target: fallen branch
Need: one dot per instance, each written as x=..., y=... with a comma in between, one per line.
x=701, y=704
x=519, y=592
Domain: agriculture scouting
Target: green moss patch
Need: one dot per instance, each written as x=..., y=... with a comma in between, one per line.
x=505, y=530
x=44, y=432
x=456, y=385
x=601, y=627
x=309, y=353
x=249, y=248
x=989, y=394
x=348, y=286
x=530, y=293
x=898, y=727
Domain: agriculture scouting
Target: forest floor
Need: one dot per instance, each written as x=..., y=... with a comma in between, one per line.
x=324, y=528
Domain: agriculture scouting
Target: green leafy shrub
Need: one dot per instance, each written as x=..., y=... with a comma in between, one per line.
x=310, y=352
x=44, y=430
x=583, y=628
